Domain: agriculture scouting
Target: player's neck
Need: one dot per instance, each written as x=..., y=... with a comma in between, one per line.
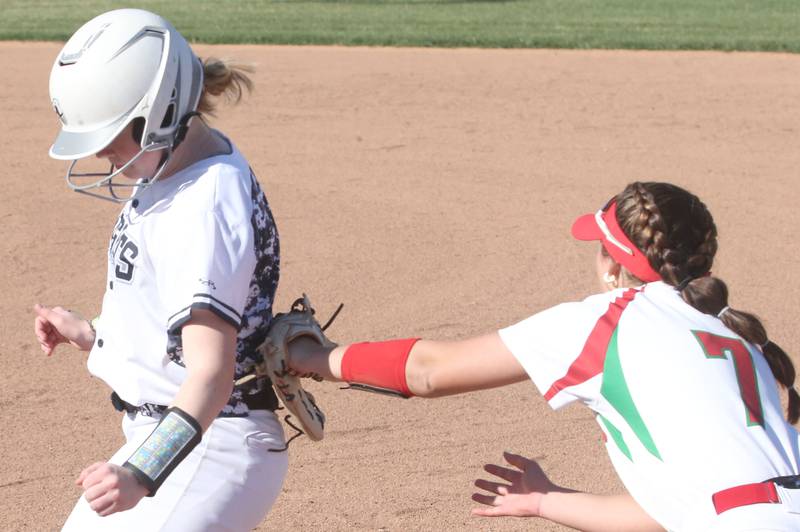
x=201, y=142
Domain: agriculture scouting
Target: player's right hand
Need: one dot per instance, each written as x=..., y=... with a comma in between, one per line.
x=58, y=325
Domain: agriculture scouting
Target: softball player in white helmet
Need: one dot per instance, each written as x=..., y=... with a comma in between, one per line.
x=193, y=266
x=683, y=386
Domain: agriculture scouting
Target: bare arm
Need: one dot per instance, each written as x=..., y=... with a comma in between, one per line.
x=598, y=513
x=433, y=369
x=436, y=369
x=209, y=347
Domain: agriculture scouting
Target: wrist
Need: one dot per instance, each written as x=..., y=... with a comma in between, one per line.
x=138, y=480
x=89, y=333
x=307, y=357
x=555, y=503
x=539, y=507
x=170, y=442
x=378, y=366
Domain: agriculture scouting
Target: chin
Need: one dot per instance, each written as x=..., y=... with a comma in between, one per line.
x=132, y=176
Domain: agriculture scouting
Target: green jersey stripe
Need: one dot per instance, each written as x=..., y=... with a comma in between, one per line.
x=615, y=390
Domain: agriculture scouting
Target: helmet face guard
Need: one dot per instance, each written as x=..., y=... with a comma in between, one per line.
x=102, y=184
x=120, y=66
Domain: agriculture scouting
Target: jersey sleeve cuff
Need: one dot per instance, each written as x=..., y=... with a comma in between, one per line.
x=206, y=302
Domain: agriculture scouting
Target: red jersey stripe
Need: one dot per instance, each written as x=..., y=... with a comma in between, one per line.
x=590, y=362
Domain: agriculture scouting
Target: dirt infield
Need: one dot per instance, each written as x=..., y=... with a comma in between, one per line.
x=432, y=192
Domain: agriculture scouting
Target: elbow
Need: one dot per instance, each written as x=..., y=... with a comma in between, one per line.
x=219, y=392
x=421, y=378
x=216, y=382
x=225, y=391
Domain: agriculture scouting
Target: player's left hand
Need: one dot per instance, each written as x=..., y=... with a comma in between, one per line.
x=109, y=488
x=521, y=497
x=57, y=325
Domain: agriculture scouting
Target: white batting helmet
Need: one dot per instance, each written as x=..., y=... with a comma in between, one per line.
x=120, y=66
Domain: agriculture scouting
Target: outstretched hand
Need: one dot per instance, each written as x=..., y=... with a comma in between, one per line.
x=57, y=325
x=110, y=488
x=520, y=495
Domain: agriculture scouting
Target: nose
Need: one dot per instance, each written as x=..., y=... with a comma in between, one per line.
x=104, y=153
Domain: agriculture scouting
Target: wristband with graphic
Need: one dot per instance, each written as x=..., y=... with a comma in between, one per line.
x=172, y=440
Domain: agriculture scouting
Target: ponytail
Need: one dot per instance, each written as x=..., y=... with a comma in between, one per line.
x=223, y=77
x=710, y=296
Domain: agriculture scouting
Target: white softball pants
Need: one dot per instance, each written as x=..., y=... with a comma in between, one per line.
x=227, y=483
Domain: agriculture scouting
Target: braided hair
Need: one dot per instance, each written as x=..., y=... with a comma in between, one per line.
x=674, y=229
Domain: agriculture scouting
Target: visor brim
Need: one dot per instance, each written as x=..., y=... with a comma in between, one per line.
x=585, y=228
x=71, y=145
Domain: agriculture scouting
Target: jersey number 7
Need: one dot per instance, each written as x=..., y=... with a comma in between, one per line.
x=718, y=348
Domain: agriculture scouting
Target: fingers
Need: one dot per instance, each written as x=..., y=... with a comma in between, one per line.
x=487, y=512
x=503, y=472
x=487, y=485
x=494, y=503
x=46, y=313
x=41, y=328
x=111, y=508
x=518, y=461
x=46, y=334
x=41, y=325
x=57, y=316
x=488, y=500
x=43, y=331
x=102, y=499
x=85, y=474
x=98, y=496
x=101, y=488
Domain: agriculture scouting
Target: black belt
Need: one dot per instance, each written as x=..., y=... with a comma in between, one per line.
x=121, y=405
x=263, y=400
x=791, y=482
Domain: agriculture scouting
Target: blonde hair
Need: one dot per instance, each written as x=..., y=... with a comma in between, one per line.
x=223, y=77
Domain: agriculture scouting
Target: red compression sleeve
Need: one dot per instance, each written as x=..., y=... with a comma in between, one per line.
x=381, y=364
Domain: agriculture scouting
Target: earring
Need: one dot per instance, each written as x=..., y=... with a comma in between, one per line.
x=610, y=279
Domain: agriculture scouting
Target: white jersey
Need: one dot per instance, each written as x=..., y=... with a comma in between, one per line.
x=203, y=238
x=687, y=407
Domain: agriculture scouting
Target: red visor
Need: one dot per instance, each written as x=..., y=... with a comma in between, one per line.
x=603, y=226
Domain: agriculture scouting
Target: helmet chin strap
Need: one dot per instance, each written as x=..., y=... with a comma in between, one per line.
x=183, y=129
x=107, y=179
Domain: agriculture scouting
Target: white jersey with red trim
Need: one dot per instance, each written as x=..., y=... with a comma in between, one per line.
x=687, y=407
x=201, y=239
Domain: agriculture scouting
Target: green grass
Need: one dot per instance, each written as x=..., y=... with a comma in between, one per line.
x=758, y=25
